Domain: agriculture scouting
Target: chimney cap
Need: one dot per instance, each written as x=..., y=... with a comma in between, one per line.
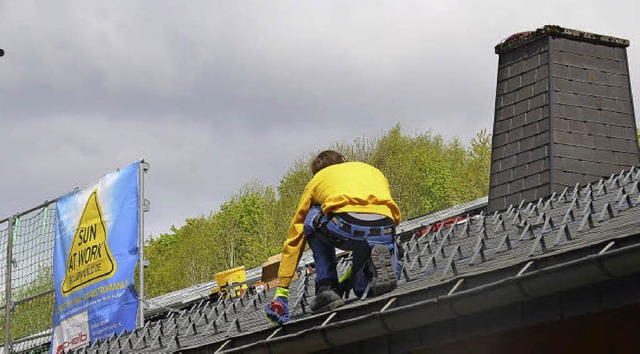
x=522, y=38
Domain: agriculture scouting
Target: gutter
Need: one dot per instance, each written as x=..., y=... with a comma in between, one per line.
x=574, y=274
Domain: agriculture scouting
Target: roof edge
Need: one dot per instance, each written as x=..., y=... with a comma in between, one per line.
x=612, y=264
x=519, y=39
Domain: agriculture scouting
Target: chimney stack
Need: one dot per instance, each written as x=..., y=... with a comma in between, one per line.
x=563, y=115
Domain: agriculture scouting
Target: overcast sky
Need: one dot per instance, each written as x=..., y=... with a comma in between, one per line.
x=215, y=94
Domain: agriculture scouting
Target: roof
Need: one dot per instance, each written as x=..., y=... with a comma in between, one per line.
x=472, y=207
x=572, y=239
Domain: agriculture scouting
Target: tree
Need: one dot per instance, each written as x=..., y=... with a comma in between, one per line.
x=425, y=173
x=428, y=174
x=239, y=233
x=34, y=315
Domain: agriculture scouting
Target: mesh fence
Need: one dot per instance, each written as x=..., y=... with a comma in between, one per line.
x=4, y=236
x=26, y=276
x=31, y=270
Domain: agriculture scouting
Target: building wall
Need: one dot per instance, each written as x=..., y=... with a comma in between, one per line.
x=610, y=332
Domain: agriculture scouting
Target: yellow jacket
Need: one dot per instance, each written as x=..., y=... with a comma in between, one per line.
x=353, y=187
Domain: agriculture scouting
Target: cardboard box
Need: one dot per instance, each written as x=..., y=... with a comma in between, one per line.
x=264, y=287
x=270, y=270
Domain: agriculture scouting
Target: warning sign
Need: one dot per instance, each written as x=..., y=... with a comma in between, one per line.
x=94, y=258
x=89, y=259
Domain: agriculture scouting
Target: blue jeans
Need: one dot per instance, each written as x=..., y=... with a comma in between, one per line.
x=325, y=234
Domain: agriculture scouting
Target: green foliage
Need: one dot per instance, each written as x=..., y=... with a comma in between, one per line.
x=36, y=314
x=238, y=234
x=425, y=172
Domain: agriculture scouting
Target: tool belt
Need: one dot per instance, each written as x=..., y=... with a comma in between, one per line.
x=338, y=229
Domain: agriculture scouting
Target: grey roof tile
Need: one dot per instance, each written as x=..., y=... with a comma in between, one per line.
x=474, y=252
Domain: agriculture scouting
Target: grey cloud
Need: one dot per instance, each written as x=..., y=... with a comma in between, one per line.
x=216, y=94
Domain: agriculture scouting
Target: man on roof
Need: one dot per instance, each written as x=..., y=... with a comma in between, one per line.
x=347, y=205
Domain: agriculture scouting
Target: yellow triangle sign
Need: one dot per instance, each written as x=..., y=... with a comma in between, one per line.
x=89, y=259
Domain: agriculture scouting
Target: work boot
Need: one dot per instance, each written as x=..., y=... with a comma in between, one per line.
x=326, y=300
x=383, y=275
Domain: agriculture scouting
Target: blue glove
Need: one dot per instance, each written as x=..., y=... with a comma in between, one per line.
x=278, y=309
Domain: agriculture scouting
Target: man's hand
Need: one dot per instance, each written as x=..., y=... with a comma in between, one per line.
x=278, y=309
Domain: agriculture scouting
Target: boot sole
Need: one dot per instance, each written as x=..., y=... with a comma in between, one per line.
x=330, y=306
x=384, y=278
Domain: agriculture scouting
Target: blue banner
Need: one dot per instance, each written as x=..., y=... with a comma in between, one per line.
x=94, y=257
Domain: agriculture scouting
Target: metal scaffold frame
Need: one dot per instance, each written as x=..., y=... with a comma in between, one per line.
x=26, y=244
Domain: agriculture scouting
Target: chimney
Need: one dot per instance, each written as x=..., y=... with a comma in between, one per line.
x=563, y=115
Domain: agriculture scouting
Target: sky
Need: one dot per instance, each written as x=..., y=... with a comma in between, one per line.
x=217, y=94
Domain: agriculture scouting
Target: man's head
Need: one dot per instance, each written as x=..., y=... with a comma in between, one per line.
x=326, y=158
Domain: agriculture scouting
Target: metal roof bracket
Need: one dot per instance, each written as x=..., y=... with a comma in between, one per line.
x=479, y=249
x=465, y=230
x=587, y=219
x=507, y=213
x=517, y=219
x=576, y=191
x=550, y=201
x=539, y=241
x=615, y=183
x=569, y=215
x=482, y=223
x=548, y=224
x=219, y=350
x=626, y=199
x=628, y=176
x=389, y=303
x=528, y=231
x=563, y=231
x=329, y=318
x=606, y=211
x=272, y=335
x=506, y=241
x=236, y=324
x=405, y=273
x=564, y=195
x=588, y=208
x=603, y=251
x=525, y=268
x=621, y=192
x=451, y=262
x=602, y=187
x=456, y=287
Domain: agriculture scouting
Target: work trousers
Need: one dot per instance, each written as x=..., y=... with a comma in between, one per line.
x=325, y=233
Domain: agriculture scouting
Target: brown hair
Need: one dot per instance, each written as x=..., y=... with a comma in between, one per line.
x=325, y=159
